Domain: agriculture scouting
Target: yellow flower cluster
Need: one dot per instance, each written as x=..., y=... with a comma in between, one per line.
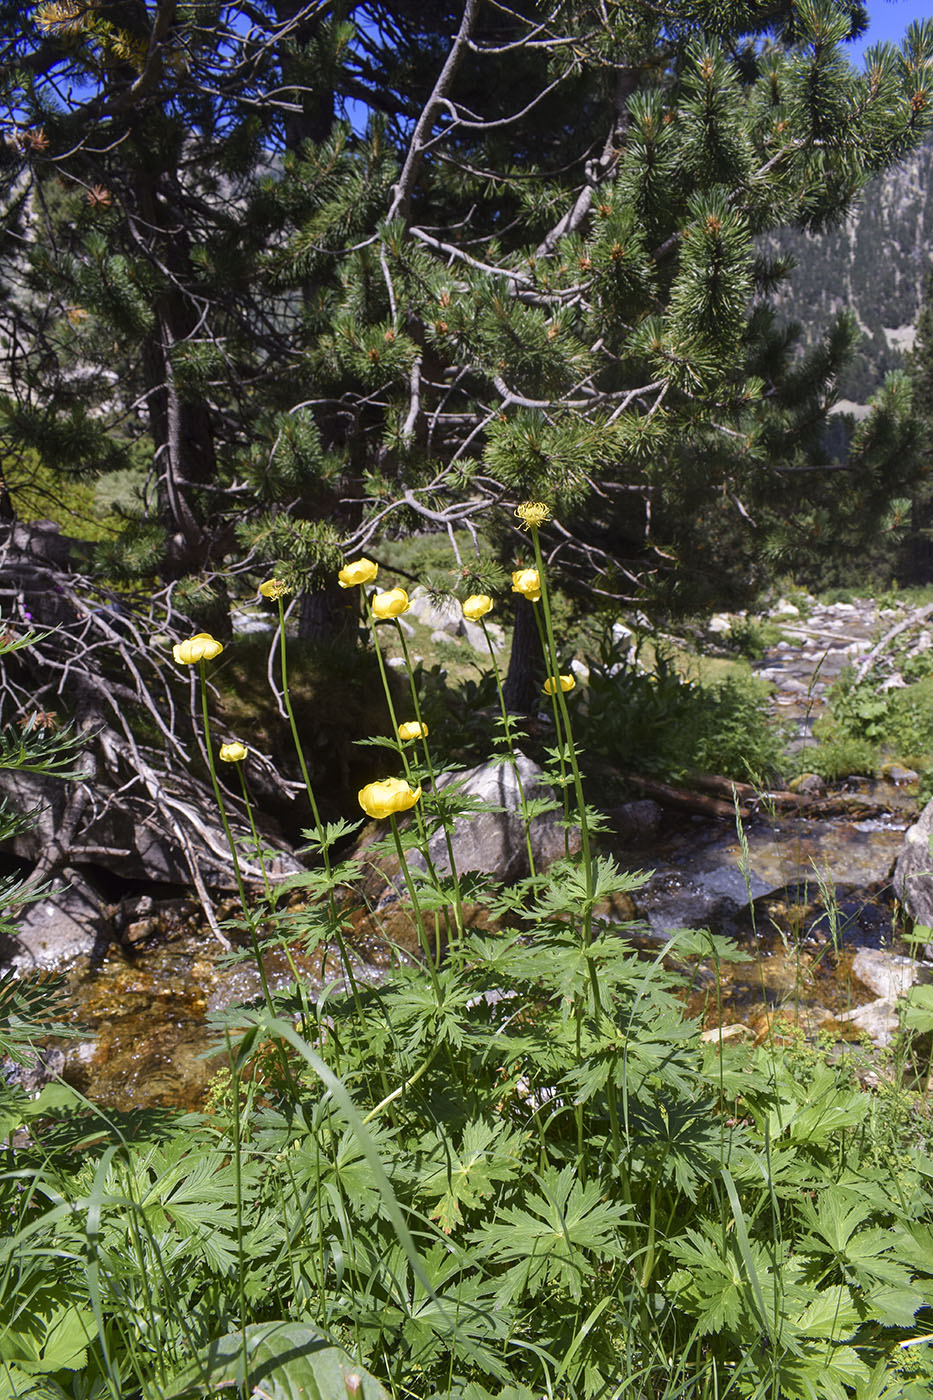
x=477, y=606
x=359, y=572
x=533, y=514
x=528, y=583
x=390, y=795
x=566, y=683
x=201, y=647
x=390, y=604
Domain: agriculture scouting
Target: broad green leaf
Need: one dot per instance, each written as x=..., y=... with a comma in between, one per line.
x=59, y=1345
x=917, y=1012
x=832, y=1314
x=285, y=1361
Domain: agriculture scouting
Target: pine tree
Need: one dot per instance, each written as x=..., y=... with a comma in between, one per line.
x=370, y=268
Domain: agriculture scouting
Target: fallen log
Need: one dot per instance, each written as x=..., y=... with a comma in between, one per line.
x=684, y=799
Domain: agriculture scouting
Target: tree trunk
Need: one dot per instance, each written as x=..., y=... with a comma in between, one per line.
x=328, y=616
x=181, y=426
x=526, y=665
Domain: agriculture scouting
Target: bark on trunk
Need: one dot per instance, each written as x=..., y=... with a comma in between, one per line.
x=526, y=664
x=328, y=616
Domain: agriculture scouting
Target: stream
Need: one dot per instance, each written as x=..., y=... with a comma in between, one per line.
x=804, y=892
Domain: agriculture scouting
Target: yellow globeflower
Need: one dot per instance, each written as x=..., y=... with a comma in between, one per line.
x=381, y=799
x=533, y=514
x=411, y=729
x=202, y=647
x=477, y=606
x=527, y=582
x=360, y=571
x=566, y=683
x=274, y=588
x=234, y=752
x=391, y=604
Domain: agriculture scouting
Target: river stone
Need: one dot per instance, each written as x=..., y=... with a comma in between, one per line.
x=878, y=1019
x=493, y=842
x=444, y=617
x=888, y=975
x=53, y=932
x=913, y=873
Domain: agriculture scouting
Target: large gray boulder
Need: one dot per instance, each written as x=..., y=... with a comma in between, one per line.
x=489, y=840
x=492, y=839
x=913, y=873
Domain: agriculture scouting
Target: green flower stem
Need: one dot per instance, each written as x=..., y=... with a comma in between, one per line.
x=289, y=710
x=458, y=903
x=419, y=816
x=252, y=826
x=507, y=721
x=416, y=907
x=559, y=734
x=403, y=1087
x=335, y=922
x=554, y=667
x=269, y=894
x=218, y=798
x=586, y=851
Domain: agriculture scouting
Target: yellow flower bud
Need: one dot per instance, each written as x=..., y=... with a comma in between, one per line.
x=274, y=588
x=477, y=606
x=566, y=683
x=411, y=729
x=380, y=800
x=528, y=583
x=532, y=514
x=234, y=752
x=202, y=647
x=360, y=571
x=391, y=604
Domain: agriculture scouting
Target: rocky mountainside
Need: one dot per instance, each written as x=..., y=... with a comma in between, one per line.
x=875, y=263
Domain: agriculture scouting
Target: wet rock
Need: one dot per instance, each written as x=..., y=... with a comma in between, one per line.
x=490, y=842
x=53, y=932
x=913, y=873
x=877, y=1019
x=900, y=777
x=636, y=822
x=888, y=975
x=808, y=785
x=493, y=841
x=735, y=1032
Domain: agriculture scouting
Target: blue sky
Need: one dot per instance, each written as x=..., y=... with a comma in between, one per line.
x=889, y=21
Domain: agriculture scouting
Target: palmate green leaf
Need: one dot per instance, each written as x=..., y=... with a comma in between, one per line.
x=488, y=1153
x=820, y=1372
x=57, y=1342
x=710, y=1285
x=815, y=1114
x=865, y=1255
x=832, y=1315
x=461, y=1313
x=917, y=1011
x=285, y=1361
x=563, y=1229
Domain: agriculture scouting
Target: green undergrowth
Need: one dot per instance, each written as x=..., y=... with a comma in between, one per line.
x=665, y=723
x=511, y=1168
x=867, y=728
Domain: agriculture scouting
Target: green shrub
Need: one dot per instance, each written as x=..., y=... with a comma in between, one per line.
x=660, y=723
